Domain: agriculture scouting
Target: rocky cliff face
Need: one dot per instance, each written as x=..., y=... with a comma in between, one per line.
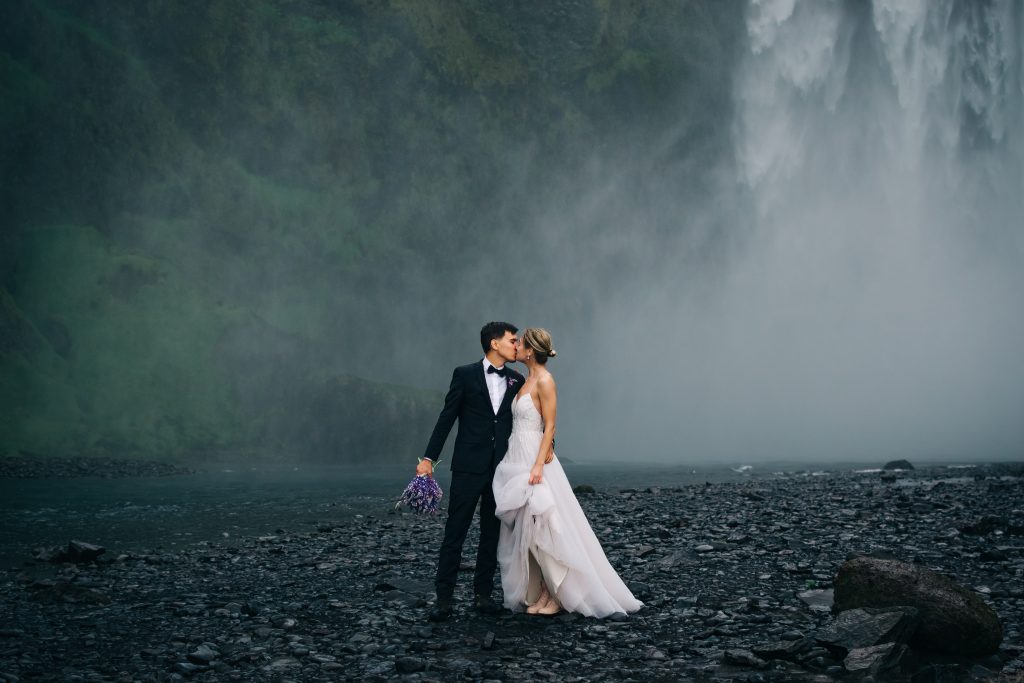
x=204, y=206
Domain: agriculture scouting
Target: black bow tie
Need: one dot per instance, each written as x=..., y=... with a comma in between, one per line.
x=503, y=371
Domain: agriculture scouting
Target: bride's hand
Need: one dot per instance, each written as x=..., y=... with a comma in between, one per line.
x=551, y=456
x=536, y=474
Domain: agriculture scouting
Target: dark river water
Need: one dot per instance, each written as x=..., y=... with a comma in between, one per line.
x=226, y=505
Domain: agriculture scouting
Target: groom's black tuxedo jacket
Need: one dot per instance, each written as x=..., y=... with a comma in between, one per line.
x=483, y=436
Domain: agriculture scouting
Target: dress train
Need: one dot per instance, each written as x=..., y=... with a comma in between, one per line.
x=545, y=533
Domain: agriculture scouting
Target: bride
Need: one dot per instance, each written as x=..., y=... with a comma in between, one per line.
x=549, y=556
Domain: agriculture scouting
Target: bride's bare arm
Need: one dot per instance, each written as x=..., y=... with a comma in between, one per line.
x=548, y=395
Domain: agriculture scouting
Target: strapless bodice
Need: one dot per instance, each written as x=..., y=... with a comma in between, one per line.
x=525, y=417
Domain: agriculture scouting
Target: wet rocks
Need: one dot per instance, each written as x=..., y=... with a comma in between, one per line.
x=868, y=627
x=874, y=659
x=818, y=599
x=75, y=551
x=204, y=654
x=992, y=523
x=744, y=658
x=67, y=592
x=348, y=599
x=953, y=619
x=408, y=665
x=783, y=649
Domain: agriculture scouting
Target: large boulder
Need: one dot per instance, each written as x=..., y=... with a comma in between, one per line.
x=954, y=620
x=898, y=465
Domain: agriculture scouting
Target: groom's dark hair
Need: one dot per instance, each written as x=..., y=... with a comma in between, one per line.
x=494, y=331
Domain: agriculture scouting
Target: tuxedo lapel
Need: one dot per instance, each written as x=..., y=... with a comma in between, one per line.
x=481, y=377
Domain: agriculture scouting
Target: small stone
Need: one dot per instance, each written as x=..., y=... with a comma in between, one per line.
x=283, y=663
x=203, y=655
x=819, y=600
x=783, y=649
x=994, y=555
x=188, y=668
x=408, y=665
x=875, y=659
x=744, y=658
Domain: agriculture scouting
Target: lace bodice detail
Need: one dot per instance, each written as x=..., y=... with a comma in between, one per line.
x=525, y=417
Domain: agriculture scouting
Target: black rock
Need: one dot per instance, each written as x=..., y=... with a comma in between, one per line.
x=404, y=584
x=984, y=525
x=188, y=668
x=404, y=598
x=408, y=665
x=583, y=489
x=204, y=654
x=80, y=551
x=76, y=551
x=640, y=590
x=937, y=672
x=743, y=658
x=868, y=627
x=875, y=659
x=898, y=465
x=994, y=555
x=953, y=619
x=783, y=649
x=66, y=591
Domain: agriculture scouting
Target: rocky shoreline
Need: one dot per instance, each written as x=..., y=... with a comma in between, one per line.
x=22, y=467
x=736, y=578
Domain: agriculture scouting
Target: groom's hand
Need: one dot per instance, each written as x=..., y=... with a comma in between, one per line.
x=537, y=474
x=426, y=467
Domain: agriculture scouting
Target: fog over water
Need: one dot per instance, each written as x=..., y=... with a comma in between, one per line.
x=861, y=298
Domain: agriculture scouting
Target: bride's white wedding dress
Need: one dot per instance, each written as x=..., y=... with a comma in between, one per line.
x=544, y=531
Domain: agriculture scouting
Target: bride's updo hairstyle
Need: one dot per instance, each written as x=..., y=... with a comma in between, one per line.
x=539, y=340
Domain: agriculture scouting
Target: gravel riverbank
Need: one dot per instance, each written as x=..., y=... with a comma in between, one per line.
x=724, y=570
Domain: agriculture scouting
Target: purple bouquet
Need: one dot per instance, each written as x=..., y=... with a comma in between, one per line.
x=422, y=495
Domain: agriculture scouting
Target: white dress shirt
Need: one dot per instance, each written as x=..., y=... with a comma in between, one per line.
x=496, y=386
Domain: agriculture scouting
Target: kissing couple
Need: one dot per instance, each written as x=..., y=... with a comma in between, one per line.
x=504, y=460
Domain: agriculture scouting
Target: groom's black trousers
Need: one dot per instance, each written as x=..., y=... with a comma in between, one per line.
x=467, y=489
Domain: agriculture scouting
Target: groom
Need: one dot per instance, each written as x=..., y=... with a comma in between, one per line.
x=480, y=397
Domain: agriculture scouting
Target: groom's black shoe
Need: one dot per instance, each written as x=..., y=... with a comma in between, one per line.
x=442, y=610
x=485, y=605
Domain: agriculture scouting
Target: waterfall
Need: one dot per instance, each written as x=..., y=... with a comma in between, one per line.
x=923, y=97
x=867, y=304
x=875, y=299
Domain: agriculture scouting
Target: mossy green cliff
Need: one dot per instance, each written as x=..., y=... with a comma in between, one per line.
x=211, y=209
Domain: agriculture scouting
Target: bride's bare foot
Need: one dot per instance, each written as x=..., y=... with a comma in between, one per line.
x=542, y=601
